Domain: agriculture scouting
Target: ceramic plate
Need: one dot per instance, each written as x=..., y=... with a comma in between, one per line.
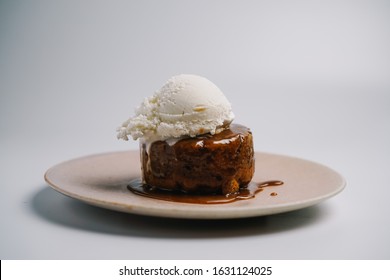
x=102, y=179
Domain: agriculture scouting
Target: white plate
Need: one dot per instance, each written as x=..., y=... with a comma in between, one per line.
x=101, y=180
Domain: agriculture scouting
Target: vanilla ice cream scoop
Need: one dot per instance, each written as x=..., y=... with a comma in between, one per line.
x=187, y=105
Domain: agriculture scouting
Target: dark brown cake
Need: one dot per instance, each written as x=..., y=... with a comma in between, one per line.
x=220, y=163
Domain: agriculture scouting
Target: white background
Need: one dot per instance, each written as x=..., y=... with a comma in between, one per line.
x=111, y=269
x=310, y=78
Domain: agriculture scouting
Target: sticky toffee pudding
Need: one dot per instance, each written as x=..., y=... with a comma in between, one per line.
x=221, y=163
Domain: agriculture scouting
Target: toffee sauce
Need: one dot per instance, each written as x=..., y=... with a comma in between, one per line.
x=136, y=186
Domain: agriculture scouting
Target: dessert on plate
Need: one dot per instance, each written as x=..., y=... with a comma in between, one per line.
x=188, y=141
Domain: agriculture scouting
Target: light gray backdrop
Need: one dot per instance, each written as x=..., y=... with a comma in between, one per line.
x=310, y=78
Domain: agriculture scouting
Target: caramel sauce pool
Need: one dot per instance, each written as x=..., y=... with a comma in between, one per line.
x=137, y=187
